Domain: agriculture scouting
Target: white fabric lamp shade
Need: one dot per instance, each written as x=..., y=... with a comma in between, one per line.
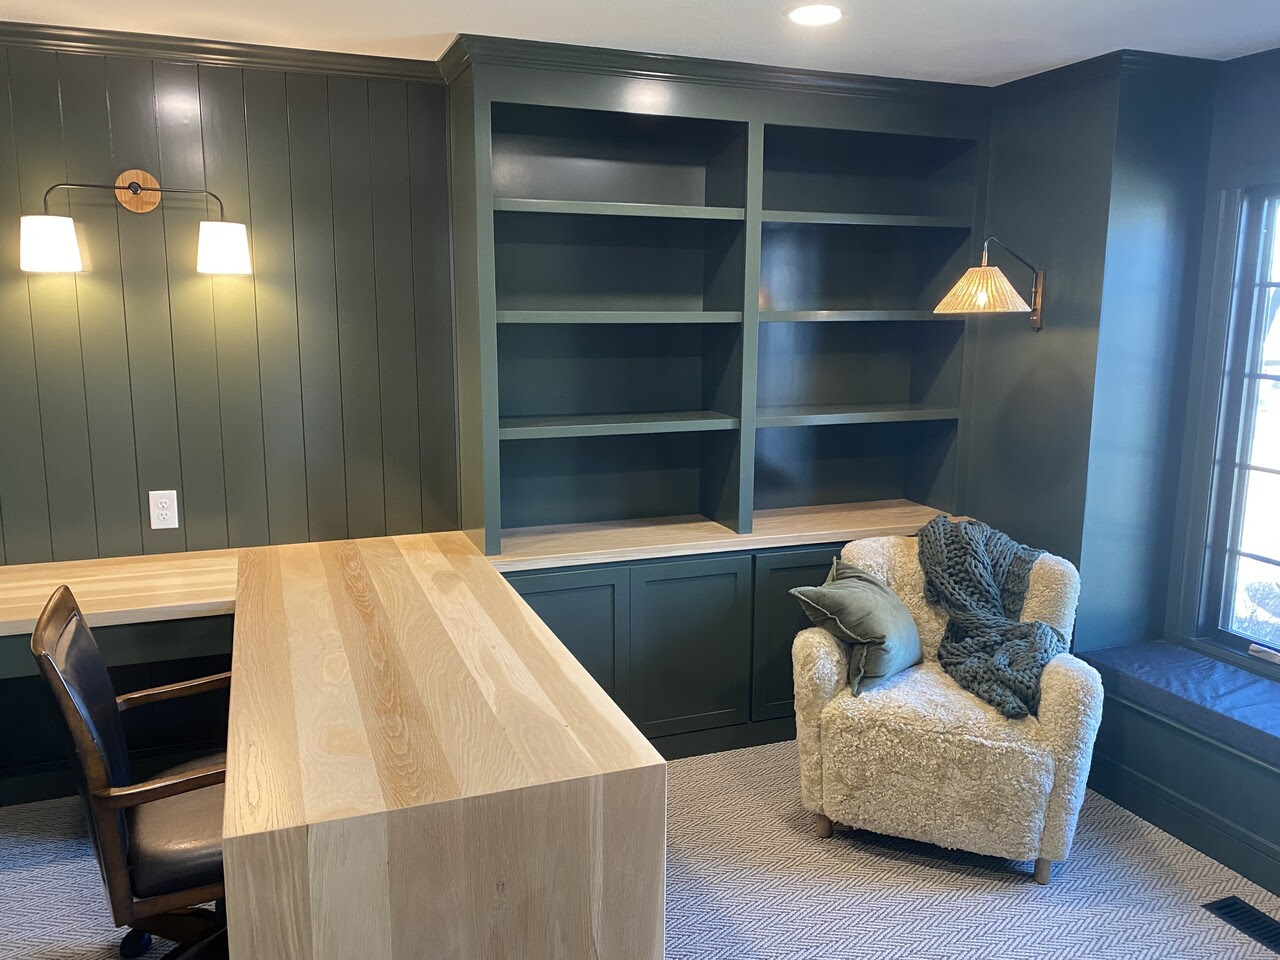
x=983, y=290
x=223, y=248
x=48, y=245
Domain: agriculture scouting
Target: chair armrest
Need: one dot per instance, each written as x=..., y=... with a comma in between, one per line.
x=1070, y=711
x=160, y=787
x=819, y=670
x=171, y=691
x=819, y=667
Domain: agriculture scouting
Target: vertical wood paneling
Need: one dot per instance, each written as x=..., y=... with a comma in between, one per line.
x=86, y=130
x=195, y=358
x=432, y=304
x=24, y=501
x=55, y=320
x=271, y=230
x=144, y=268
x=393, y=279
x=357, y=305
x=313, y=400
x=222, y=121
x=310, y=184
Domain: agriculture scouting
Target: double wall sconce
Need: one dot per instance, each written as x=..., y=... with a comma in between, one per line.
x=49, y=244
x=985, y=289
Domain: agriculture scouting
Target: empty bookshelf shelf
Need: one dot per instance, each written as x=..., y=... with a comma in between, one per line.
x=865, y=219
x=619, y=316
x=815, y=415
x=613, y=425
x=614, y=209
x=848, y=316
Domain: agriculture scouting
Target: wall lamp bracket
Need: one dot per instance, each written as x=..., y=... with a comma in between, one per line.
x=1037, y=282
x=985, y=289
x=135, y=189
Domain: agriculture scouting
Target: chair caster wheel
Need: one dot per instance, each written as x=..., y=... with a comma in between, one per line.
x=136, y=943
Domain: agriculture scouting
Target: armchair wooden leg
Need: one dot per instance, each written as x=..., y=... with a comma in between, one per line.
x=823, y=824
x=1043, y=869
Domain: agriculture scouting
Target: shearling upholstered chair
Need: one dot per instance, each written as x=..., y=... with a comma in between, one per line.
x=918, y=756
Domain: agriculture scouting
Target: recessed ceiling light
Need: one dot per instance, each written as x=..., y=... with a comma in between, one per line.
x=815, y=14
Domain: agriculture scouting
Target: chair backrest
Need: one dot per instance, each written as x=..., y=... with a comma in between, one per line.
x=70, y=662
x=1052, y=592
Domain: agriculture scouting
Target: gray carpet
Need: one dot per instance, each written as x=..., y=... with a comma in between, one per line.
x=748, y=879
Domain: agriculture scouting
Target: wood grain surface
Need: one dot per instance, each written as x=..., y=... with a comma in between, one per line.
x=168, y=586
x=414, y=758
x=176, y=586
x=535, y=548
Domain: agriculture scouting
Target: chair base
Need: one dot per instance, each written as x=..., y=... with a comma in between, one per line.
x=200, y=934
x=136, y=943
x=823, y=824
x=1044, y=868
x=211, y=947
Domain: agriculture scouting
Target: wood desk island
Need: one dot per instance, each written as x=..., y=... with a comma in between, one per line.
x=417, y=767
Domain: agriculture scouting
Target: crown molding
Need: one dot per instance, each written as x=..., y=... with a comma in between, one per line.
x=1112, y=66
x=470, y=49
x=218, y=52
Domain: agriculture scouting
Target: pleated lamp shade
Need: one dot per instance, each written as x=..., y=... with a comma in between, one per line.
x=983, y=289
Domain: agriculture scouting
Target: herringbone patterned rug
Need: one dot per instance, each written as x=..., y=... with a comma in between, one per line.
x=748, y=879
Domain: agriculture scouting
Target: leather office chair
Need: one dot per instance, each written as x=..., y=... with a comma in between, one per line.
x=158, y=842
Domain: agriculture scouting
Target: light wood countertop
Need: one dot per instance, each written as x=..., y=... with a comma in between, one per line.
x=535, y=548
x=414, y=759
x=115, y=590
x=372, y=675
x=177, y=586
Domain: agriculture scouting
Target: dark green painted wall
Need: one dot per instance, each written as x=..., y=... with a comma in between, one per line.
x=1097, y=174
x=1030, y=403
x=1077, y=438
x=313, y=400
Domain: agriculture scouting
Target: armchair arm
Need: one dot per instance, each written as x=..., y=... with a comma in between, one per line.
x=170, y=691
x=820, y=670
x=161, y=787
x=1070, y=711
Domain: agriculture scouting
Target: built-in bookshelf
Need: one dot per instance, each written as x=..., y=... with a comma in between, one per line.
x=697, y=316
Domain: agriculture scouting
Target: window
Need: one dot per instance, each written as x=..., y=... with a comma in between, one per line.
x=1248, y=507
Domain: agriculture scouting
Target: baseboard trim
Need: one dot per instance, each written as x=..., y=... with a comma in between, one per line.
x=679, y=745
x=1248, y=854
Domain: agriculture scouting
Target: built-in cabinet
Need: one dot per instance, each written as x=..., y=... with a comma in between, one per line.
x=776, y=620
x=588, y=610
x=690, y=644
x=684, y=645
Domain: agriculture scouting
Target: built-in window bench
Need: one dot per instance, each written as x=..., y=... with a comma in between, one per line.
x=1219, y=700
x=1192, y=744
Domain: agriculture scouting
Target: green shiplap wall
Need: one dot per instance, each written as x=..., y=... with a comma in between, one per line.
x=313, y=400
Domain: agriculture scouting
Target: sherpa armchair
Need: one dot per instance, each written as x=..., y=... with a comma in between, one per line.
x=919, y=757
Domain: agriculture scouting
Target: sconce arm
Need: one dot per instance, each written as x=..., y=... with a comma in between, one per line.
x=1037, y=284
x=135, y=188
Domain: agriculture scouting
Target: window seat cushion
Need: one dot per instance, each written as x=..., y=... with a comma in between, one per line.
x=1224, y=702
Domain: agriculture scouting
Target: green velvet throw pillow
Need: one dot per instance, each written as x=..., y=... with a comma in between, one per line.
x=857, y=608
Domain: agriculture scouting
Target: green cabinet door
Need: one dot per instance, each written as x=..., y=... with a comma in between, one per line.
x=587, y=610
x=777, y=619
x=690, y=644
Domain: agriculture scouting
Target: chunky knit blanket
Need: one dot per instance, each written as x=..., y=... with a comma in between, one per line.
x=979, y=576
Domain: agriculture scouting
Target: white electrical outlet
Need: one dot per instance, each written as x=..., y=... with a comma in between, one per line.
x=164, y=509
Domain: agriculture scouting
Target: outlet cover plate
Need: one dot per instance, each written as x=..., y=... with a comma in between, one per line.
x=164, y=509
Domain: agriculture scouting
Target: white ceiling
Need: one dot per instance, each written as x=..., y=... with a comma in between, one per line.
x=972, y=41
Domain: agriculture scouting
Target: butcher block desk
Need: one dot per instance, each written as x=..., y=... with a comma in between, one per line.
x=417, y=767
